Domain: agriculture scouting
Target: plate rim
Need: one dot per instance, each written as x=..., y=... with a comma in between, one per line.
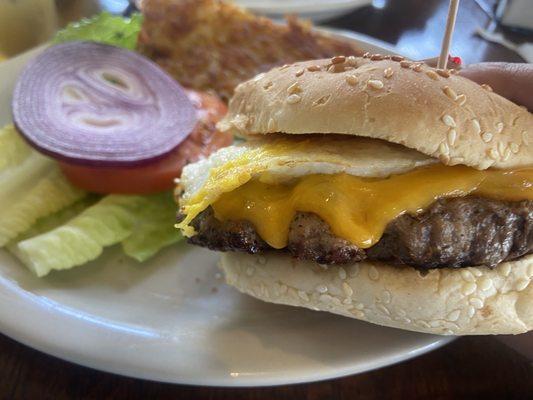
x=22, y=332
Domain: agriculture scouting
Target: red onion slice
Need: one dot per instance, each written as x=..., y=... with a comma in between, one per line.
x=94, y=104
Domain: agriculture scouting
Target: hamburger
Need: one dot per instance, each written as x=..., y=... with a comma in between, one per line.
x=374, y=188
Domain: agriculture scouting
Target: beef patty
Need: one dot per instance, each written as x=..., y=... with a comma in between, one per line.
x=452, y=232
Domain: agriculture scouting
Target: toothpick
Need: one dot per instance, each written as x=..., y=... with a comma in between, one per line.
x=450, y=24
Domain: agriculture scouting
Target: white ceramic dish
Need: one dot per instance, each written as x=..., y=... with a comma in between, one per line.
x=174, y=320
x=317, y=11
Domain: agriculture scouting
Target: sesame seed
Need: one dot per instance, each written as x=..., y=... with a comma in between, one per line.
x=342, y=273
x=515, y=148
x=470, y=311
x=267, y=85
x=314, y=68
x=443, y=148
x=422, y=323
x=469, y=288
x=373, y=273
x=283, y=67
x=486, y=87
x=404, y=320
x=388, y=72
x=501, y=148
x=397, y=58
x=386, y=297
x=321, y=288
x=359, y=306
x=377, y=57
x=347, y=301
x=348, y=291
x=485, y=283
x=405, y=64
x=302, y=295
x=271, y=125
x=476, y=302
x=456, y=160
x=366, y=55
x=452, y=136
x=505, y=269
x=258, y=77
x=454, y=315
x=476, y=272
x=352, y=79
x=435, y=323
x=525, y=138
x=522, y=284
x=442, y=72
x=300, y=72
x=432, y=74
x=467, y=275
x=493, y=153
x=294, y=88
x=506, y=154
x=375, y=84
x=351, y=59
x=448, y=91
x=448, y=332
x=338, y=60
x=293, y=99
x=461, y=99
x=486, y=137
x=499, y=127
x=358, y=314
x=383, y=309
x=416, y=67
x=477, y=127
x=445, y=159
x=449, y=121
x=325, y=298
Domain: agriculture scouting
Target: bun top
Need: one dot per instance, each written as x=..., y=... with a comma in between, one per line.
x=433, y=111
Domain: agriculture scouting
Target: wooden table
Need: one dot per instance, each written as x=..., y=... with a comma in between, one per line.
x=473, y=367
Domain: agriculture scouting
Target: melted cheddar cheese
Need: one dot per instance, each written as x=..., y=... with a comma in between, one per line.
x=359, y=209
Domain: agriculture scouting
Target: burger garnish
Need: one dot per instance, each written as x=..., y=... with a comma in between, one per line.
x=381, y=166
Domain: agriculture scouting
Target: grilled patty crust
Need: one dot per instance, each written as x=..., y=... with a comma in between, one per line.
x=453, y=232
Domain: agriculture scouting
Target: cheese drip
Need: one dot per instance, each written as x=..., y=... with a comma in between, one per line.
x=359, y=209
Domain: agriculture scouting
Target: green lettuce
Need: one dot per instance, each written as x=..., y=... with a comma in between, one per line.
x=105, y=28
x=155, y=228
x=31, y=186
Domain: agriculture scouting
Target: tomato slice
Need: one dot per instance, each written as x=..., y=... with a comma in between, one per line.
x=159, y=175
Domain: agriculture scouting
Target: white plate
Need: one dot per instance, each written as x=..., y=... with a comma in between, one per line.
x=316, y=11
x=173, y=320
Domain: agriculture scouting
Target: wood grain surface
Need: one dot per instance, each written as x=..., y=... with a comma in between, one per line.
x=469, y=368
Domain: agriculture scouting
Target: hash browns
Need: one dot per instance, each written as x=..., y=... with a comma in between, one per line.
x=215, y=45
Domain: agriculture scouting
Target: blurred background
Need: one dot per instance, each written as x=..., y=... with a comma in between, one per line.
x=414, y=27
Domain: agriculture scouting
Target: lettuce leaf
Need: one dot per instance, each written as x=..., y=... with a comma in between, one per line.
x=82, y=238
x=155, y=228
x=31, y=186
x=105, y=28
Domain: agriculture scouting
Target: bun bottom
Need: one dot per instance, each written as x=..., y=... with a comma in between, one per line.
x=464, y=301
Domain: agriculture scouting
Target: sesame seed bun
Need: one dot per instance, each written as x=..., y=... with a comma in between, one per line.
x=436, y=112
x=466, y=301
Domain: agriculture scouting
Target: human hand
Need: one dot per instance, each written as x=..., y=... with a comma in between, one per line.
x=511, y=80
